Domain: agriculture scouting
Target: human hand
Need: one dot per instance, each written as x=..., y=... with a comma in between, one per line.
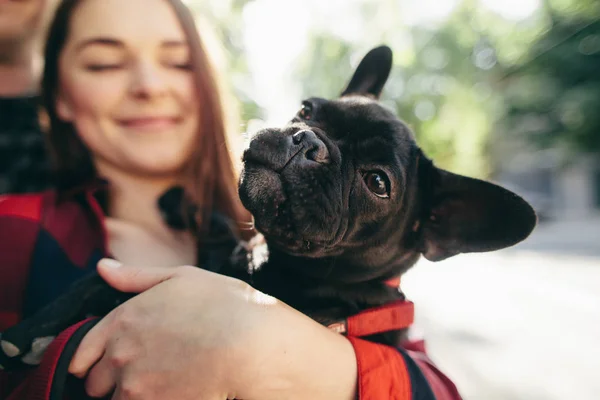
x=193, y=334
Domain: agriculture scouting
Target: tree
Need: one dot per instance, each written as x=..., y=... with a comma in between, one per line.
x=553, y=97
x=465, y=84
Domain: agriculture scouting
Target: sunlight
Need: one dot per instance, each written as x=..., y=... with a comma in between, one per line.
x=427, y=12
x=513, y=9
x=275, y=34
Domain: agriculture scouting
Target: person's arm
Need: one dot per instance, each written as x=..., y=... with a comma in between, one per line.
x=200, y=335
x=193, y=334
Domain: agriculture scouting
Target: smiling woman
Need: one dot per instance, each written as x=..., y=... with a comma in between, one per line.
x=130, y=87
x=123, y=93
x=133, y=105
x=127, y=87
x=132, y=99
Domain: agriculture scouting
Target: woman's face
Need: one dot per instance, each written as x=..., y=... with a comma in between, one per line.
x=126, y=85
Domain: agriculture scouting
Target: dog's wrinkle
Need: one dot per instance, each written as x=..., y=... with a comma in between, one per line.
x=285, y=232
x=347, y=192
x=280, y=170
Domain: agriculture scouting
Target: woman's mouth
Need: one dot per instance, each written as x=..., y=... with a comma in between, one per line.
x=149, y=124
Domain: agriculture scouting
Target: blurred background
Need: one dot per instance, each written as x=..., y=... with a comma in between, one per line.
x=507, y=90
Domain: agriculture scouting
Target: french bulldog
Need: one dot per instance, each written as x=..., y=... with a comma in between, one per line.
x=346, y=200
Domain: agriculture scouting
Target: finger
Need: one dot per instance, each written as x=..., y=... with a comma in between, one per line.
x=128, y=389
x=102, y=378
x=118, y=395
x=124, y=278
x=133, y=279
x=121, y=394
x=92, y=347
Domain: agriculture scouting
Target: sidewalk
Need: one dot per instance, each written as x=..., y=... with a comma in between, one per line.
x=517, y=324
x=566, y=236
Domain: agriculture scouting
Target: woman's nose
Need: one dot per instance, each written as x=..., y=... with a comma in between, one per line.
x=147, y=81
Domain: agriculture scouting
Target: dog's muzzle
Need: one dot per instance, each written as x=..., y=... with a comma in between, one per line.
x=276, y=149
x=312, y=147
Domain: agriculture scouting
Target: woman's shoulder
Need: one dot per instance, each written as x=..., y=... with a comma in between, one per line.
x=46, y=220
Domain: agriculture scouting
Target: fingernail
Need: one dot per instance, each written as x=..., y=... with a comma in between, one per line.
x=110, y=263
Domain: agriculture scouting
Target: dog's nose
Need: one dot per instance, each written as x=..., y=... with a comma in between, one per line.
x=298, y=136
x=314, y=148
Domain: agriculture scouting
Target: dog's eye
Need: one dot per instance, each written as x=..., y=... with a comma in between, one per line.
x=306, y=111
x=378, y=183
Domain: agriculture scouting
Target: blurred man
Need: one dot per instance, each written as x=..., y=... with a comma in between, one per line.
x=23, y=162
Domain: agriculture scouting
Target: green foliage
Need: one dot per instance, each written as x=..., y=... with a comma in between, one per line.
x=325, y=75
x=553, y=98
x=224, y=20
x=439, y=85
x=465, y=85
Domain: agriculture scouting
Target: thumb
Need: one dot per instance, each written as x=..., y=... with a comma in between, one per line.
x=133, y=279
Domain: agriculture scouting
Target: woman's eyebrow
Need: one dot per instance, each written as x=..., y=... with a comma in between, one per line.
x=99, y=41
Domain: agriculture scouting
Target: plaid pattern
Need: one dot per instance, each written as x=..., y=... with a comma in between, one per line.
x=45, y=246
x=24, y=166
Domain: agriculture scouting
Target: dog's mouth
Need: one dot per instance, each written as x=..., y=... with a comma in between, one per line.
x=296, y=246
x=291, y=185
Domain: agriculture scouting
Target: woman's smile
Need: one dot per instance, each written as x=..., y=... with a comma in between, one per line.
x=150, y=123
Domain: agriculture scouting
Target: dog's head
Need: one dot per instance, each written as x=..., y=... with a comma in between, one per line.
x=345, y=179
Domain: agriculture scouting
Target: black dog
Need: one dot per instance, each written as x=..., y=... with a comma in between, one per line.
x=346, y=200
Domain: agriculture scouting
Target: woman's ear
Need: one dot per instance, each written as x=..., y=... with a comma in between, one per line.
x=63, y=109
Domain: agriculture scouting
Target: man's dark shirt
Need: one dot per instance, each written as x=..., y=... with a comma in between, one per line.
x=23, y=161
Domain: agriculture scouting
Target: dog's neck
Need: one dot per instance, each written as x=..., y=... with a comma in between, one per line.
x=315, y=286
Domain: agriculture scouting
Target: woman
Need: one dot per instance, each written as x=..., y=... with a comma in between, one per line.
x=132, y=100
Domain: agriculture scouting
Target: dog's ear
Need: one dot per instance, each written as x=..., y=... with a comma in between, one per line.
x=470, y=215
x=371, y=74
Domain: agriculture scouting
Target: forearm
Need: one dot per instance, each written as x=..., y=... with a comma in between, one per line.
x=300, y=359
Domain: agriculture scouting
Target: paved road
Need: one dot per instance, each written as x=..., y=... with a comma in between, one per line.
x=521, y=324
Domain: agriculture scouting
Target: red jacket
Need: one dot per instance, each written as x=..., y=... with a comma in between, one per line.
x=47, y=243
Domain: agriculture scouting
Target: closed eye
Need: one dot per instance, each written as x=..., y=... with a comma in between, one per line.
x=103, y=67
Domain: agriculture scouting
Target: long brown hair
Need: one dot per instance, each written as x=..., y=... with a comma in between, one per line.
x=211, y=176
